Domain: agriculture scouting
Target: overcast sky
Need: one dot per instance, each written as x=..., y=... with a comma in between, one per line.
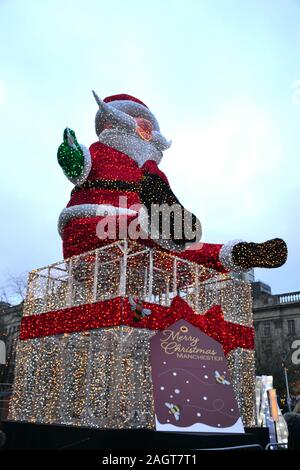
x=222, y=78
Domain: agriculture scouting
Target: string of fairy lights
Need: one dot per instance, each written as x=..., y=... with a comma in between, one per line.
x=102, y=377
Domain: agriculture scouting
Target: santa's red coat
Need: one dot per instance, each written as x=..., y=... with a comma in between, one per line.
x=114, y=174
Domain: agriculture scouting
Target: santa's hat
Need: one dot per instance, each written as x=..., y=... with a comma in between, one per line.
x=127, y=104
x=123, y=97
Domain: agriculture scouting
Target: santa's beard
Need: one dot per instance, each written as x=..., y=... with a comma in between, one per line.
x=132, y=145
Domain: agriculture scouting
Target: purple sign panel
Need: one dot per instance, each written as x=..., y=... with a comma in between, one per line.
x=191, y=382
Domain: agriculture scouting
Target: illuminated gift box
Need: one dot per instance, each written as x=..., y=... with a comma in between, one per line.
x=84, y=354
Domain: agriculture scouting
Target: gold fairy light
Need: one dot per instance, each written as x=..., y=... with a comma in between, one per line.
x=102, y=377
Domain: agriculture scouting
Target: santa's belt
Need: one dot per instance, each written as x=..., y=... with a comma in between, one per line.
x=114, y=185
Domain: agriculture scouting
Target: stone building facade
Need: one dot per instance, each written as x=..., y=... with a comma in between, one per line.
x=277, y=336
x=10, y=320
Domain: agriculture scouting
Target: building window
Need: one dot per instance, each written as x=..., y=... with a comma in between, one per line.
x=267, y=328
x=277, y=323
x=291, y=327
x=267, y=349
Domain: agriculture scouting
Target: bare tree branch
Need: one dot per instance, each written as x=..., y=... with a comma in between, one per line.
x=15, y=290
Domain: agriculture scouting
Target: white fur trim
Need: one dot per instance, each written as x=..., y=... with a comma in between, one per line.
x=90, y=210
x=87, y=165
x=225, y=256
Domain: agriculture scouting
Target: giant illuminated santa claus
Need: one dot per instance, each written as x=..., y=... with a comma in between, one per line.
x=117, y=184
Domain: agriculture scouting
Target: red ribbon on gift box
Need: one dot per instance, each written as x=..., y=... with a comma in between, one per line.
x=118, y=311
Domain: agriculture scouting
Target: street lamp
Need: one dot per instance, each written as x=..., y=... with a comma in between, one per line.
x=288, y=396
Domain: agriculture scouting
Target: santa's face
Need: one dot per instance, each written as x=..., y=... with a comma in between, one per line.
x=130, y=128
x=144, y=129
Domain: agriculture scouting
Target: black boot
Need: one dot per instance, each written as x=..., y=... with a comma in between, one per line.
x=269, y=254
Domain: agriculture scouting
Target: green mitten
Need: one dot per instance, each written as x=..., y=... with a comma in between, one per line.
x=70, y=155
